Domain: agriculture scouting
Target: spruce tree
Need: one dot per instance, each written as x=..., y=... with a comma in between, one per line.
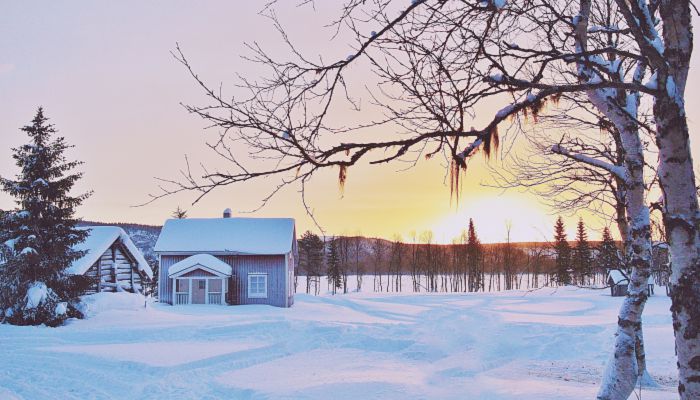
x=474, y=259
x=333, y=262
x=39, y=234
x=311, y=249
x=608, y=255
x=179, y=213
x=582, y=254
x=563, y=253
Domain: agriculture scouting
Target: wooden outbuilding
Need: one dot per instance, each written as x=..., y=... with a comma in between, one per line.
x=112, y=260
x=619, y=283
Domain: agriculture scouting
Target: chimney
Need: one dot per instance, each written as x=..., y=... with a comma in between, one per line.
x=227, y=213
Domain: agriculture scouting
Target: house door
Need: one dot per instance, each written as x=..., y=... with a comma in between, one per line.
x=199, y=291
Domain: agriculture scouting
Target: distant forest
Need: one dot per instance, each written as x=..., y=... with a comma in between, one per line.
x=462, y=266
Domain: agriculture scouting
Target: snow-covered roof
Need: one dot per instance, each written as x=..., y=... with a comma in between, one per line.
x=227, y=235
x=204, y=260
x=617, y=276
x=98, y=241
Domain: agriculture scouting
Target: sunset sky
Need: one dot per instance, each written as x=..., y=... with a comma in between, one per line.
x=105, y=75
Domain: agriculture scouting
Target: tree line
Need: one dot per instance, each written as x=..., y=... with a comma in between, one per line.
x=466, y=265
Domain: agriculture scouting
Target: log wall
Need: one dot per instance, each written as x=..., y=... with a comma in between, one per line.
x=115, y=267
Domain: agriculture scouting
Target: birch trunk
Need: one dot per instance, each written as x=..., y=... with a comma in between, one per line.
x=681, y=222
x=677, y=179
x=627, y=364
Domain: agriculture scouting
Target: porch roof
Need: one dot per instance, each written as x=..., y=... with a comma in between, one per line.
x=206, y=261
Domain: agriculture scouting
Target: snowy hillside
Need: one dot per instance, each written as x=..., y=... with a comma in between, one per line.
x=546, y=344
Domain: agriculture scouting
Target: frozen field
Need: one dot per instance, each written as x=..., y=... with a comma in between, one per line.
x=546, y=344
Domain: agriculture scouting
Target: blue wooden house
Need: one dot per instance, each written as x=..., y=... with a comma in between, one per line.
x=227, y=261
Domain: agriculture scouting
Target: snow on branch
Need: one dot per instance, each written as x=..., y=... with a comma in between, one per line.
x=469, y=150
x=617, y=170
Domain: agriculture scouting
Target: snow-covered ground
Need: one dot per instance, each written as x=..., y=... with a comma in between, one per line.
x=545, y=344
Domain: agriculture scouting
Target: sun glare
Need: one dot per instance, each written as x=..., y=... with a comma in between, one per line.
x=491, y=216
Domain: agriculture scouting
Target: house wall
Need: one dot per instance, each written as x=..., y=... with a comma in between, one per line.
x=165, y=285
x=273, y=266
x=242, y=265
x=112, y=267
x=291, y=272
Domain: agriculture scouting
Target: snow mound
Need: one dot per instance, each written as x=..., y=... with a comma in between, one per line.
x=162, y=354
x=61, y=309
x=36, y=294
x=329, y=367
x=97, y=303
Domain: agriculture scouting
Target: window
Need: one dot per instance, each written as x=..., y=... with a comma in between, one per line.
x=215, y=285
x=202, y=285
x=257, y=285
x=183, y=285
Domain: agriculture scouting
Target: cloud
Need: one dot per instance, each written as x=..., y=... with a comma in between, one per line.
x=6, y=68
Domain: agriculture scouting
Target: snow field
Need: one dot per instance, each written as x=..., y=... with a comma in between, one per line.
x=544, y=344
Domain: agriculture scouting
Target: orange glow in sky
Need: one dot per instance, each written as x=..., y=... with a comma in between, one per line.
x=105, y=75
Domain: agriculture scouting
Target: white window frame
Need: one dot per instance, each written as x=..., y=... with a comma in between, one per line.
x=250, y=281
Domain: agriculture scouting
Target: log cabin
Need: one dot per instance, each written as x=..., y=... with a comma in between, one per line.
x=112, y=260
x=227, y=261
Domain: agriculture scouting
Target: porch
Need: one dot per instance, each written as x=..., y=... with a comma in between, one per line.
x=199, y=290
x=199, y=279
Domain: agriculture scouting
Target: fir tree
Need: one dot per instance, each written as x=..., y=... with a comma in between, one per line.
x=608, y=255
x=563, y=253
x=39, y=234
x=311, y=249
x=582, y=254
x=179, y=213
x=333, y=272
x=474, y=259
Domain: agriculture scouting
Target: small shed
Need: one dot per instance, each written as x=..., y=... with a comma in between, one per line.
x=111, y=260
x=619, y=282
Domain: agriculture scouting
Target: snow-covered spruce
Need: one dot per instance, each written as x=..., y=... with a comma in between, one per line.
x=38, y=237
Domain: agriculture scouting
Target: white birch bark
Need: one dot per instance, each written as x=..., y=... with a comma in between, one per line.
x=627, y=364
x=677, y=178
